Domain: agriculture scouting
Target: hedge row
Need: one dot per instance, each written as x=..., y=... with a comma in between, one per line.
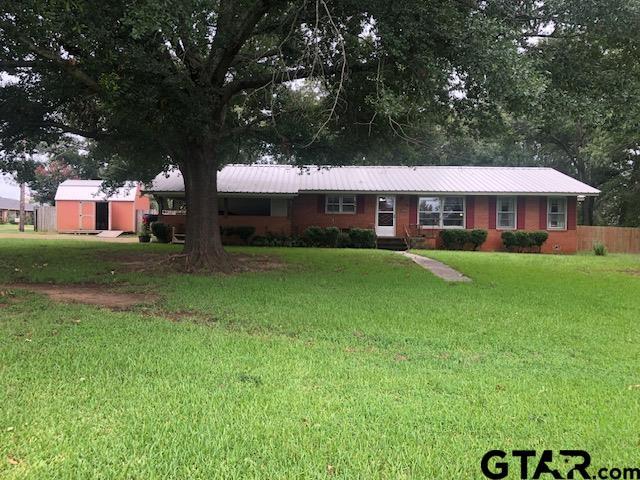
x=330, y=237
x=459, y=239
x=521, y=241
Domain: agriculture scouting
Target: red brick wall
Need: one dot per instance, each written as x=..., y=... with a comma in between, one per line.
x=559, y=241
x=484, y=217
x=263, y=224
x=308, y=210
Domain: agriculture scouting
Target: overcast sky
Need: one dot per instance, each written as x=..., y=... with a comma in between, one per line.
x=8, y=188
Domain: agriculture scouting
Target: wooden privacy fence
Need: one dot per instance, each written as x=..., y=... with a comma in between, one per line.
x=616, y=239
x=44, y=218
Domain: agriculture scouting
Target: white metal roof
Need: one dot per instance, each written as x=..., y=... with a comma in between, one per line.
x=91, y=190
x=284, y=179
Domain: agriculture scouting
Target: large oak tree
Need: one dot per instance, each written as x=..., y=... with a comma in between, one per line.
x=201, y=83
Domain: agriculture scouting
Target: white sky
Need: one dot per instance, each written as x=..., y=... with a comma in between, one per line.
x=8, y=188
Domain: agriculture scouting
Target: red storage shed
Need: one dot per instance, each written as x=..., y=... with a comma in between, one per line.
x=82, y=207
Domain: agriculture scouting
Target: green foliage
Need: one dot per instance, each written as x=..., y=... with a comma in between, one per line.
x=362, y=238
x=457, y=239
x=509, y=239
x=344, y=240
x=599, y=250
x=162, y=232
x=314, y=236
x=538, y=238
x=454, y=239
x=321, y=237
x=477, y=237
x=522, y=241
x=244, y=232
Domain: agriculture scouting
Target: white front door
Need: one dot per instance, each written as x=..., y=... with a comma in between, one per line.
x=386, y=216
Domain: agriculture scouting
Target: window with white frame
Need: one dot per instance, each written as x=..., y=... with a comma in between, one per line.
x=441, y=212
x=556, y=213
x=341, y=204
x=506, y=213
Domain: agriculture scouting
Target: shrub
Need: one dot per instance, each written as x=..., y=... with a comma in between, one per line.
x=313, y=236
x=362, y=238
x=259, y=241
x=599, y=249
x=509, y=240
x=162, y=232
x=321, y=237
x=523, y=241
x=454, y=239
x=331, y=236
x=477, y=237
x=538, y=238
x=344, y=240
x=244, y=232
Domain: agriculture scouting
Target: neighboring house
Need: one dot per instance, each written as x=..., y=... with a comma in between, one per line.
x=395, y=201
x=82, y=206
x=10, y=211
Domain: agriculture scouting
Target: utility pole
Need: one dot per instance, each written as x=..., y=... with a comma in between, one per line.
x=22, y=206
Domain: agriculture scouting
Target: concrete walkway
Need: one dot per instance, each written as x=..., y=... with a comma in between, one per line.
x=439, y=269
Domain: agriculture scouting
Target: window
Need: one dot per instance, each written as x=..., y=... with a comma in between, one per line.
x=441, y=212
x=247, y=206
x=341, y=204
x=506, y=213
x=557, y=213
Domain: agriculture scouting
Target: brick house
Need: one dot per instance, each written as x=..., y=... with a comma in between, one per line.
x=394, y=201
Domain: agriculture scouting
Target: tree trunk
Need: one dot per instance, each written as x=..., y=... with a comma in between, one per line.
x=203, y=243
x=22, y=207
x=587, y=211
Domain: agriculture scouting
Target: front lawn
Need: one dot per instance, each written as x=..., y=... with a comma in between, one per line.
x=338, y=363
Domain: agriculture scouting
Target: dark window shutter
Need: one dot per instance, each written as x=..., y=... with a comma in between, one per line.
x=470, y=214
x=522, y=212
x=321, y=203
x=572, y=212
x=492, y=213
x=413, y=210
x=543, y=213
x=360, y=199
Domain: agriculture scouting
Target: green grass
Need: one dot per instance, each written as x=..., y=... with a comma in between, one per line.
x=13, y=228
x=357, y=360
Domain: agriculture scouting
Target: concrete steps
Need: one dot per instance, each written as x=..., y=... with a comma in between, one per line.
x=397, y=244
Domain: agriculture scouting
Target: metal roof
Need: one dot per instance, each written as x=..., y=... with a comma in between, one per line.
x=285, y=179
x=12, y=204
x=91, y=190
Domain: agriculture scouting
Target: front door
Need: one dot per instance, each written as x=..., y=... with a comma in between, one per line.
x=386, y=216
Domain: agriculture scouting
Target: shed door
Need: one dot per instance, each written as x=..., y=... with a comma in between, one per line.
x=87, y=215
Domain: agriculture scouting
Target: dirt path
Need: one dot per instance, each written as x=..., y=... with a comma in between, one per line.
x=87, y=294
x=439, y=269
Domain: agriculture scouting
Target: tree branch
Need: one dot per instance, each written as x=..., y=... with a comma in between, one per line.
x=68, y=65
x=233, y=31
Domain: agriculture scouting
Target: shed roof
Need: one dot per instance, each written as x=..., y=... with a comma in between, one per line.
x=12, y=204
x=286, y=179
x=91, y=190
